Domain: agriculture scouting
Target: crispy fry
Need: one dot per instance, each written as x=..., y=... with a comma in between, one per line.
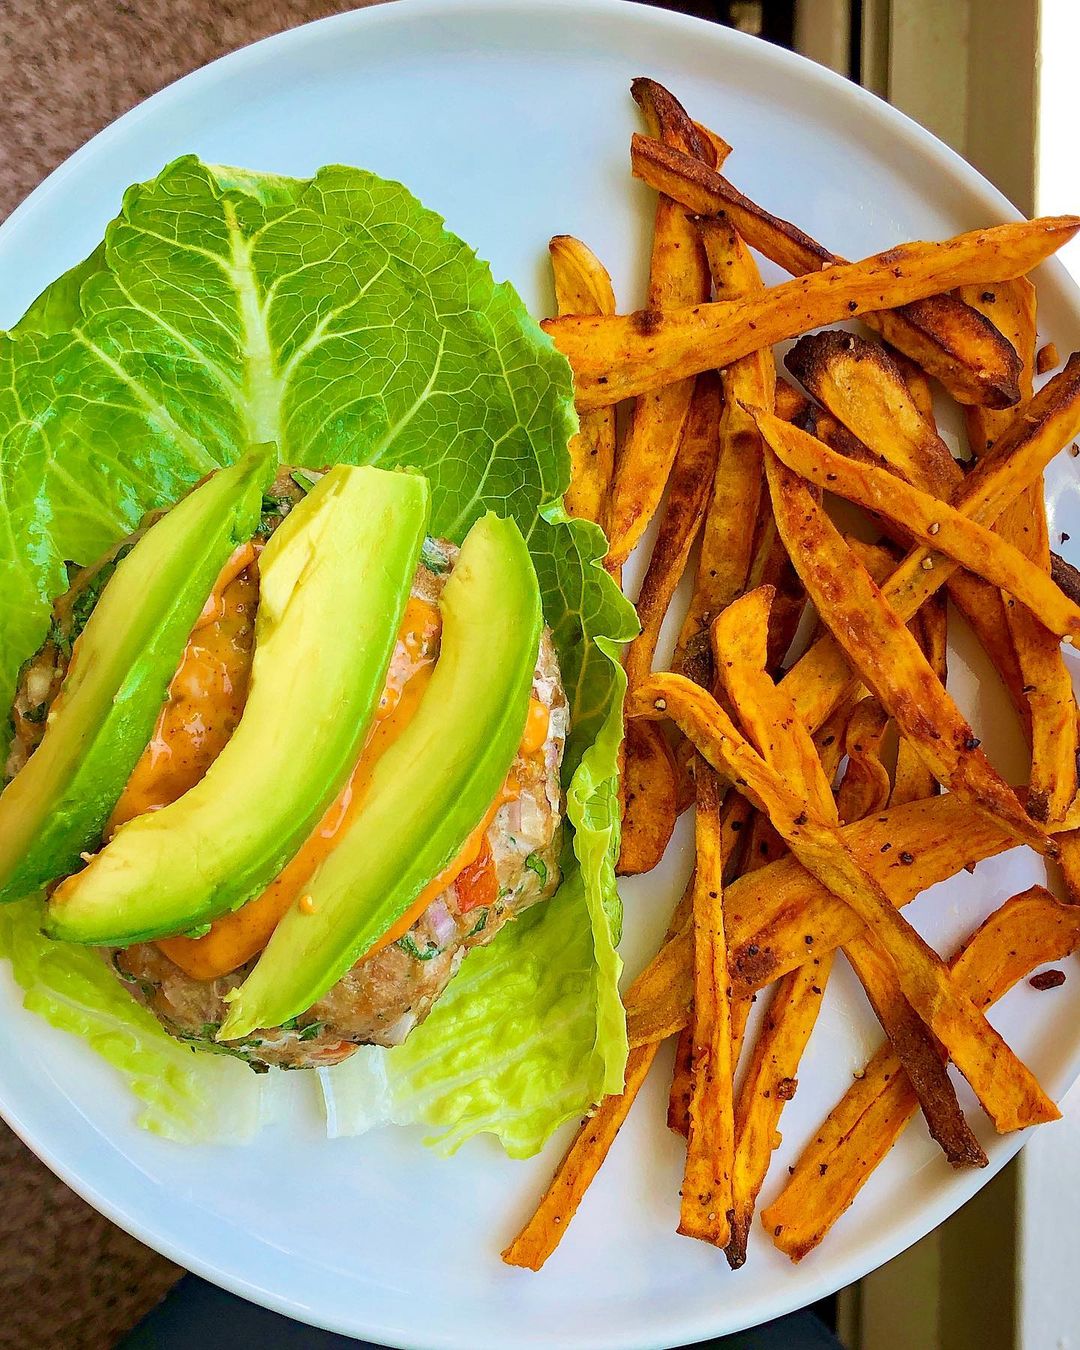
x=912, y=780
x=734, y=817
x=684, y=772
x=918, y=385
x=678, y=275
x=1066, y=576
x=774, y=728
x=829, y=737
x=865, y=389
x=545, y=1227
x=710, y=1145
x=649, y=802
x=1046, y=682
x=1005, y=1087
x=790, y=404
x=1046, y=358
x=935, y=523
x=885, y=654
x=770, y=1082
x=1010, y=306
x=727, y=541
x=764, y=845
x=941, y=334
x=820, y=679
x=916, y=1049
x=772, y=567
x=715, y=148
x=740, y=1015
x=649, y=1002
x=865, y=785
x=684, y=511
x=682, y=1082
x=582, y=286
x=629, y=355
x=740, y=640
x=1028, y=930
x=779, y=917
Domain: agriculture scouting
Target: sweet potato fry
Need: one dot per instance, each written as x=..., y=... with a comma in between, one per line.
x=917, y=1051
x=912, y=780
x=941, y=334
x=865, y=389
x=791, y=405
x=1046, y=683
x=622, y=357
x=764, y=845
x=682, y=1082
x=678, y=275
x=734, y=818
x=935, y=523
x=727, y=540
x=770, y=1082
x=820, y=679
x=582, y=286
x=1011, y=307
x=687, y=498
x=710, y=1144
x=918, y=385
x=784, y=742
x=1028, y=930
x=1046, y=358
x=544, y=1229
x=865, y=786
x=1066, y=576
x=716, y=149
x=649, y=786
x=780, y=917
x=884, y=653
x=740, y=638
x=772, y=567
x=1005, y=1087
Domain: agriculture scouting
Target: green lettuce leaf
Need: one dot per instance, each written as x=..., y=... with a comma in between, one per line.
x=337, y=317
x=184, y=1095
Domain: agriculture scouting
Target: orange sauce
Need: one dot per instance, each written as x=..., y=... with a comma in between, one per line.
x=205, y=698
x=237, y=937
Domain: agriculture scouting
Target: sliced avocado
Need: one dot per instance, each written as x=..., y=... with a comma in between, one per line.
x=57, y=805
x=334, y=580
x=428, y=792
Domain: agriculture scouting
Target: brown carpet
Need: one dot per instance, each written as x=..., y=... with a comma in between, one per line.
x=69, y=1279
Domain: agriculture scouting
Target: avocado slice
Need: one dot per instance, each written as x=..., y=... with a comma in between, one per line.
x=428, y=792
x=334, y=580
x=58, y=804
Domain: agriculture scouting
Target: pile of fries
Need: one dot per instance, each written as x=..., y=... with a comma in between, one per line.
x=791, y=864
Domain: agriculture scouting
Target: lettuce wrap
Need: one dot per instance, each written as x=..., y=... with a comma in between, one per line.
x=337, y=318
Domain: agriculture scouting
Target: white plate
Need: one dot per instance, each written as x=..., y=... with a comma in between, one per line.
x=513, y=120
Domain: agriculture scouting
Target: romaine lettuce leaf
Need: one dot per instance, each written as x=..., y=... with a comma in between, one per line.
x=184, y=1095
x=337, y=317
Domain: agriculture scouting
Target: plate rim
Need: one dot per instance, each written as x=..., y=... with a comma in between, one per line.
x=956, y=1189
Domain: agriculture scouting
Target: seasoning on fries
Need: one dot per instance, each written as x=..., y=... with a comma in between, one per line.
x=810, y=836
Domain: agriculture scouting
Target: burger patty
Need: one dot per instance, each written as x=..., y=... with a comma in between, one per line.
x=388, y=993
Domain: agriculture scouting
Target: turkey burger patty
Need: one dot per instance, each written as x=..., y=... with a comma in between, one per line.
x=512, y=865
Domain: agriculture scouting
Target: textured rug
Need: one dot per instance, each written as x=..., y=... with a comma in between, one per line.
x=69, y=1279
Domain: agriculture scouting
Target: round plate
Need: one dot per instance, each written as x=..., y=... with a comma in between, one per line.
x=513, y=120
